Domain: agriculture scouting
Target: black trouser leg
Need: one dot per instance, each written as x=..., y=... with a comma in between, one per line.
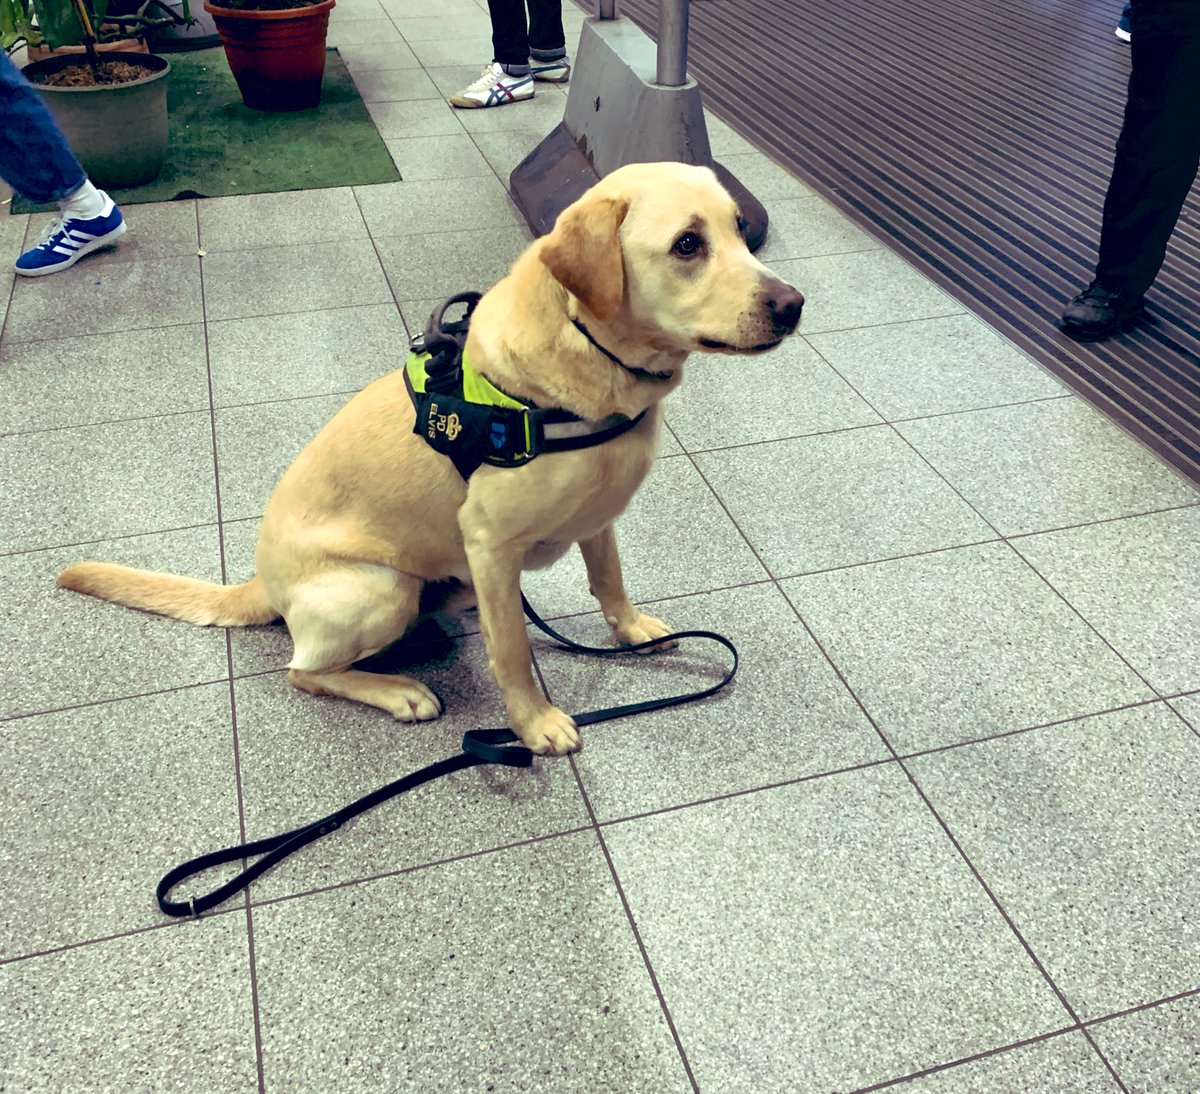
x=510, y=32
x=547, y=41
x=1159, y=147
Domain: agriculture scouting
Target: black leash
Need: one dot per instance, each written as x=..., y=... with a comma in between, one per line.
x=479, y=746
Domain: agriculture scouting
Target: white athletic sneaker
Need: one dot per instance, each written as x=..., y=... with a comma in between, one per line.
x=554, y=72
x=495, y=87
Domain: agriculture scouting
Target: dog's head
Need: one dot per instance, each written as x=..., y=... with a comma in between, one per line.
x=658, y=248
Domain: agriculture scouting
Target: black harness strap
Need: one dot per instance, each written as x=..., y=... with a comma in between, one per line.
x=479, y=746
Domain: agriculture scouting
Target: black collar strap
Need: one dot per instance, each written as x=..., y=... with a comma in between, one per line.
x=633, y=370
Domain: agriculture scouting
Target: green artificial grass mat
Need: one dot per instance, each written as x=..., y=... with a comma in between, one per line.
x=220, y=147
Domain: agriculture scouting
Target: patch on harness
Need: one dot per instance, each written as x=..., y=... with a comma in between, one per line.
x=464, y=416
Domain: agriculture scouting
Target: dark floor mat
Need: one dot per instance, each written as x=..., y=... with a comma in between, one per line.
x=219, y=147
x=975, y=139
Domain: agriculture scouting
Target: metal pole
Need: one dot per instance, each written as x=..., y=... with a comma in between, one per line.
x=672, y=43
x=606, y=9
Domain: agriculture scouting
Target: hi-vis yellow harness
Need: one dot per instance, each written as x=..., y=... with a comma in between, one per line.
x=466, y=417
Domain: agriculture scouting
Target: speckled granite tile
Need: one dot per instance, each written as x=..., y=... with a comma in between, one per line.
x=100, y=377
x=293, y=218
x=1134, y=580
x=802, y=227
x=862, y=289
x=257, y=444
x=303, y=756
x=764, y=178
x=823, y=936
x=77, y=649
x=360, y=57
x=473, y=26
x=959, y=645
x=80, y=782
x=104, y=297
x=796, y=393
x=934, y=366
x=1087, y=834
x=1045, y=465
x=837, y=499
x=785, y=716
x=1188, y=707
x=368, y=32
x=420, y=208
x=306, y=353
x=505, y=148
x=1059, y=1065
x=470, y=261
x=414, y=118
x=163, y=1011
x=395, y=85
x=1155, y=1051
x=515, y=971
x=102, y=481
x=275, y=280
x=674, y=539
x=450, y=157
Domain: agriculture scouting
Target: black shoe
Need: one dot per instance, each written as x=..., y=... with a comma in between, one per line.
x=1098, y=312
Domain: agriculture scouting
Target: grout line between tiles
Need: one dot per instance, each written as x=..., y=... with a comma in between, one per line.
x=400, y=871
x=166, y=925
x=939, y=1068
x=637, y=935
x=233, y=723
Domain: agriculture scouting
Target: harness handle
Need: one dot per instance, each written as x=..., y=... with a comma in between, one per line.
x=479, y=746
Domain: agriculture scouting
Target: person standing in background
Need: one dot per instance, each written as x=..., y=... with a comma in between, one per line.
x=1158, y=153
x=522, y=52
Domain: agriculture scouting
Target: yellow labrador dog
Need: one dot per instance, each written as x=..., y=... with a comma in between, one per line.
x=651, y=264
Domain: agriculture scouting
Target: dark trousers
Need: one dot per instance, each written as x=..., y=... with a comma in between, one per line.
x=1158, y=151
x=514, y=41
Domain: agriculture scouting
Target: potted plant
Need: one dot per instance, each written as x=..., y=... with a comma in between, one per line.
x=276, y=49
x=112, y=106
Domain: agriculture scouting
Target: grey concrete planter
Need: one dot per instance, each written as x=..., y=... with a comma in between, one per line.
x=118, y=132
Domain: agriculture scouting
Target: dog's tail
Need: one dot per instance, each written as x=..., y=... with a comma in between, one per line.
x=185, y=598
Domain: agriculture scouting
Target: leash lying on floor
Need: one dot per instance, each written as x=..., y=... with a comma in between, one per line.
x=479, y=746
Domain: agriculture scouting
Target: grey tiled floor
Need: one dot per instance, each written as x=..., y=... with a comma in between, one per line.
x=942, y=832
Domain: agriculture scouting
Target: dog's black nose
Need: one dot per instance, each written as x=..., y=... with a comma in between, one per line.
x=784, y=305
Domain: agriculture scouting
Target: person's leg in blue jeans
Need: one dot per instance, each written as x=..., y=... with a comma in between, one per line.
x=523, y=50
x=37, y=162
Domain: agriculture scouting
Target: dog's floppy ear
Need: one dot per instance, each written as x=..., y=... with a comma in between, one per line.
x=584, y=254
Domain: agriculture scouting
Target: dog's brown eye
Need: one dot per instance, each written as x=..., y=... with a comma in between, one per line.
x=742, y=225
x=688, y=245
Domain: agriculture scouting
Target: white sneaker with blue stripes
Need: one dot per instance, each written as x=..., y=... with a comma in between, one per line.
x=495, y=87
x=69, y=239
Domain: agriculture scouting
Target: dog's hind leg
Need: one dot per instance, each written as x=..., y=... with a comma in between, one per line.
x=344, y=615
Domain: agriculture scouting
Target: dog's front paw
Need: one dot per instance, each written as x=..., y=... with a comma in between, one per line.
x=642, y=628
x=411, y=701
x=552, y=732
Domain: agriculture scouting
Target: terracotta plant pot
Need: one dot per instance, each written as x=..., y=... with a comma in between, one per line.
x=277, y=57
x=118, y=131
